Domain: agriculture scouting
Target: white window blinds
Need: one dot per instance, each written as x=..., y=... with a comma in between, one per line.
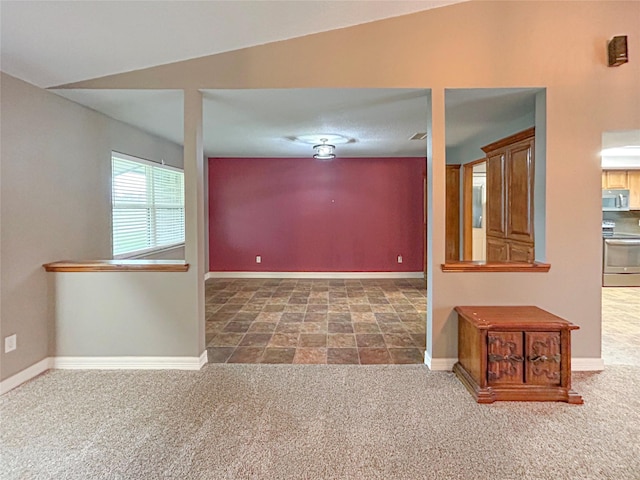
x=147, y=205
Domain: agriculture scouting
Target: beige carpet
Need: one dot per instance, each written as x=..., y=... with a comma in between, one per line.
x=314, y=422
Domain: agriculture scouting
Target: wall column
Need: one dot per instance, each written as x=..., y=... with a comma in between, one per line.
x=436, y=204
x=194, y=204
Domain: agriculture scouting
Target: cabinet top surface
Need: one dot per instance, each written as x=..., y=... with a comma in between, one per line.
x=485, y=317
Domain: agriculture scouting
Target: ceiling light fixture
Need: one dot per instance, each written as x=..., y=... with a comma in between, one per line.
x=324, y=151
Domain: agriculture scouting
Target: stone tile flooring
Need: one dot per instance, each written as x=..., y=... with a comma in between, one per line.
x=315, y=321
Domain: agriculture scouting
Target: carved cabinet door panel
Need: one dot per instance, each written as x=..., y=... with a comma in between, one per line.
x=504, y=358
x=543, y=358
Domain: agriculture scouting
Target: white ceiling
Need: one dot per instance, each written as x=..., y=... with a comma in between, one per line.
x=51, y=43
x=471, y=111
x=376, y=122
x=263, y=123
x=57, y=42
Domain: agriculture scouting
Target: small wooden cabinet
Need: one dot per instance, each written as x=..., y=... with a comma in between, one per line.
x=518, y=353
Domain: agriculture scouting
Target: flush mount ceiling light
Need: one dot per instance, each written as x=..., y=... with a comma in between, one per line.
x=324, y=151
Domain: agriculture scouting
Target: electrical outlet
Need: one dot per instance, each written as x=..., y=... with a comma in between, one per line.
x=258, y=259
x=10, y=343
x=399, y=258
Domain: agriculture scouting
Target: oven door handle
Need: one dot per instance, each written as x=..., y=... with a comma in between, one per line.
x=623, y=243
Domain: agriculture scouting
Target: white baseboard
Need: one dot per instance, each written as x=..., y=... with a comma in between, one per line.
x=204, y=358
x=196, y=363
x=587, y=364
x=25, y=375
x=577, y=364
x=439, y=364
x=322, y=275
x=129, y=363
x=103, y=363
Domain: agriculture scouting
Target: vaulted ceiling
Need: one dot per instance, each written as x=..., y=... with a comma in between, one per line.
x=50, y=43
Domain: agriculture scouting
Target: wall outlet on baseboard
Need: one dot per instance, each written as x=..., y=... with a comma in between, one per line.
x=399, y=258
x=10, y=343
x=258, y=259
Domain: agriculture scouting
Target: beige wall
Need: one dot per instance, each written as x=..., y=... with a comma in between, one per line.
x=55, y=203
x=557, y=45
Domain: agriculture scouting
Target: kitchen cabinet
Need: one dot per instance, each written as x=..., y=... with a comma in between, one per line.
x=510, y=172
x=516, y=353
x=613, y=179
x=633, y=178
x=624, y=179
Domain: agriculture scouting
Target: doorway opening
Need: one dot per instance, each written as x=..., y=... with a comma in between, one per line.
x=475, y=210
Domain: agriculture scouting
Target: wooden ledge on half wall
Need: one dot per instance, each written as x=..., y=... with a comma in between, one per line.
x=117, y=266
x=473, y=266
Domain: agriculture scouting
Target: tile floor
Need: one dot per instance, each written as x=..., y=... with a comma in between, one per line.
x=315, y=321
x=621, y=325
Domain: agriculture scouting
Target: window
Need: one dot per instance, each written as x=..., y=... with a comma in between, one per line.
x=147, y=205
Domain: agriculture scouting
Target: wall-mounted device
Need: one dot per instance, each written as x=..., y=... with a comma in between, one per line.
x=618, y=53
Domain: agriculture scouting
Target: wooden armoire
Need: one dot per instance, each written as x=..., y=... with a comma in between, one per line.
x=510, y=174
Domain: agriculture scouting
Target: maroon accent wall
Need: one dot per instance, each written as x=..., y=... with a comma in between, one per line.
x=305, y=215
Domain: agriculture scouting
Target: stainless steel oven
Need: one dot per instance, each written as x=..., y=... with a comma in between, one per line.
x=621, y=261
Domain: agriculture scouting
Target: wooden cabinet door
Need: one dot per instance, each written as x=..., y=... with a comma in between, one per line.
x=543, y=358
x=495, y=195
x=633, y=177
x=521, y=252
x=604, y=180
x=617, y=179
x=497, y=250
x=452, y=223
x=504, y=358
x=519, y=219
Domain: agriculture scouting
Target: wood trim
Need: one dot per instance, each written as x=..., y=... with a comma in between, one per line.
x=535, y=267
x=504, y=142
x=117, y=266
x=452, y=217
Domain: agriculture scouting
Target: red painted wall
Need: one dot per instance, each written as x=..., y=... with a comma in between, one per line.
x=301, y=214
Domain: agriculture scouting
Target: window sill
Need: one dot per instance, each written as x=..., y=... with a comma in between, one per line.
x=140, y=255
x=536, y=267
x=117, y=266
